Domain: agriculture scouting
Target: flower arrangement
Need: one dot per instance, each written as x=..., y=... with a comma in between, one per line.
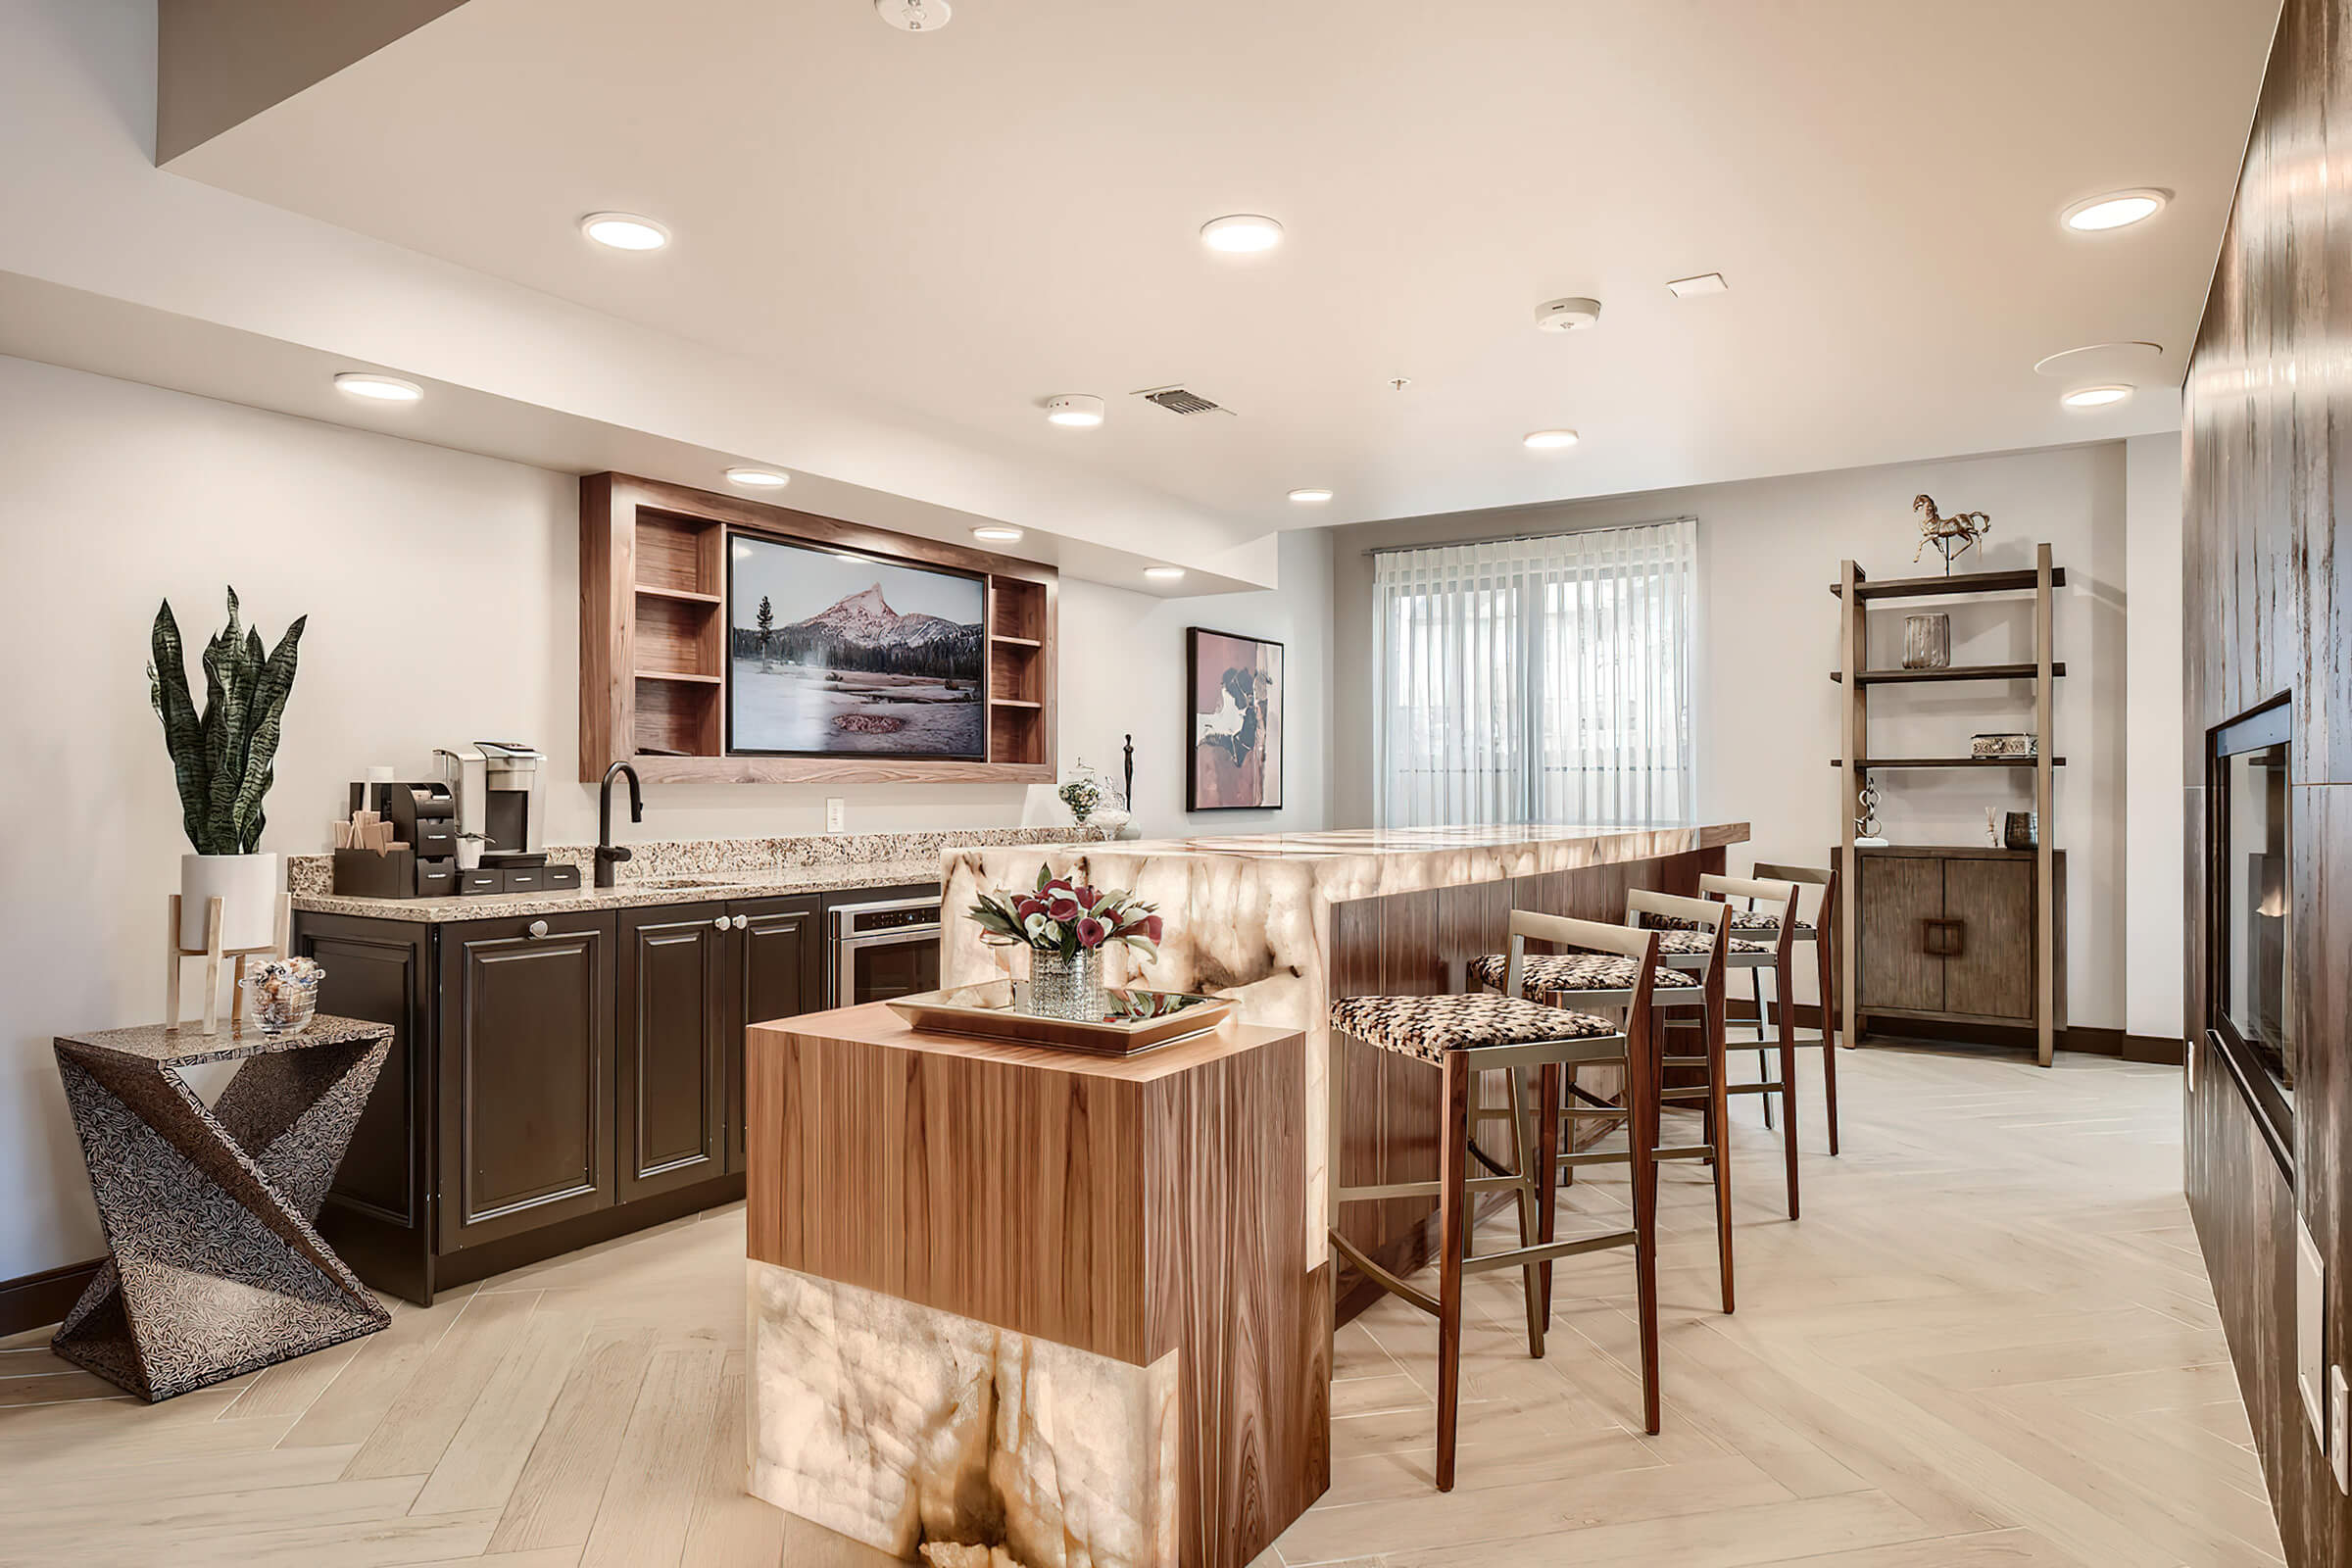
x=1065, y=918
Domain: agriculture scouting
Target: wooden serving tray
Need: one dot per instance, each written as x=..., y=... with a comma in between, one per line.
x=990, y=1010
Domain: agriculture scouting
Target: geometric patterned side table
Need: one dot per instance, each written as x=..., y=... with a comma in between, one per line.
x=216, y=1269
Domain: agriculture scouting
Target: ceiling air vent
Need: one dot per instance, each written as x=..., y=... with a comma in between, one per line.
x=1179, y=400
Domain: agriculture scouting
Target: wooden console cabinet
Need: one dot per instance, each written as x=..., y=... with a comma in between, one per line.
x=1946, y=934
x=553, y=1080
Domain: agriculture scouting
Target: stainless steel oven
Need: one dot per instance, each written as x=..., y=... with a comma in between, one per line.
x=885, y=948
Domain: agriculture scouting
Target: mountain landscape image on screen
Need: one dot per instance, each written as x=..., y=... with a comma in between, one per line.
x=860, y=675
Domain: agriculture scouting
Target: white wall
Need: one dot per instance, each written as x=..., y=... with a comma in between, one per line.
x=2154, y=826
x=1768, y=713
x=441, y=590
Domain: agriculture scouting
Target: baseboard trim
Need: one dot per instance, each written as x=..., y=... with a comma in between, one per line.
x=2149, y=1049
x=35, y=1300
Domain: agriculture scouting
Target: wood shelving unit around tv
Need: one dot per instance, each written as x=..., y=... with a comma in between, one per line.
x=654, y=640
x=1857, y=676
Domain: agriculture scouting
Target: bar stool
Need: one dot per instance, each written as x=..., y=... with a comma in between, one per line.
x=1776, y=921
x=1822, y=934
x=1468, y=1034
x=1689, y=976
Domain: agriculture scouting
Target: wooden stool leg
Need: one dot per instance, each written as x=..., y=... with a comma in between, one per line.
x=1829, y=1043
x=1547, y=1159
x=1523, y=1161
x=1644, y=1077
x=1719, y=1127
x=1782, y=973
x=1453, y=1161
x=212, y=966
x=1755, y=982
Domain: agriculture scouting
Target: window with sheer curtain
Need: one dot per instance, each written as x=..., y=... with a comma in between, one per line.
x=1537, y=680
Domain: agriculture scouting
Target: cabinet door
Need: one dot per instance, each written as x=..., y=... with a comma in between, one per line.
x=1993, y=974
x=1899, y=895
x=779, y=973
x=526, y=1074
x=672, y=1047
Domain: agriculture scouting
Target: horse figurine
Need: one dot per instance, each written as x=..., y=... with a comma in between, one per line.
x=1952, y=536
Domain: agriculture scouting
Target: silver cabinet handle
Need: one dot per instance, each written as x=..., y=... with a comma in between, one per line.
x=741, y=921
x=538, y=928
x=720, y=923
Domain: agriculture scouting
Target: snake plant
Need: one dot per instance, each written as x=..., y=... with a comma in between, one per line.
x=225, y=760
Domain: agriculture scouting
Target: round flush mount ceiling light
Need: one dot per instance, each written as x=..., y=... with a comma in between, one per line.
x=2095, y=397
x=914, y=15
x=1550, y=440
x=378, y=388
x=2117, y=209
x=1241, y=233
x=1313, y=496
x=624, y=231
x=996, y=533
x=759, y=478
x=1165, y=573
x=1567, y=316
x=1078, y=409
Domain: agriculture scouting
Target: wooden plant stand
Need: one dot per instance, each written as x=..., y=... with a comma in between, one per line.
x=212, y=953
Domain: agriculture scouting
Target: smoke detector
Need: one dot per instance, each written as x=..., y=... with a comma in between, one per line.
x=914, y=15
x=1567, y=316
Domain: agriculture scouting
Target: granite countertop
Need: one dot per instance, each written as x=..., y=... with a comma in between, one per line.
x=710, y=888
x=1603, y=843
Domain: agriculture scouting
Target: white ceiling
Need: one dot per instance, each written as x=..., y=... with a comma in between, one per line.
x=962, y=223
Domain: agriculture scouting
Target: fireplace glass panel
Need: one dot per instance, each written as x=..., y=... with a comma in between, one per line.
x=2254, y=900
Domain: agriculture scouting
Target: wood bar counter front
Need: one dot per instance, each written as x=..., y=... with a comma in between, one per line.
x=1009, y=1295
x=1283, y=923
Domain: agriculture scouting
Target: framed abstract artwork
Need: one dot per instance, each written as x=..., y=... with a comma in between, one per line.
x=1233, y=723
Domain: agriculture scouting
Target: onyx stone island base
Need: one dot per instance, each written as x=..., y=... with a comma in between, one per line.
x=215, y=1268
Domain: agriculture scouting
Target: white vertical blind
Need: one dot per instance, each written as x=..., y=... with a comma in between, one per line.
x=1537, y=680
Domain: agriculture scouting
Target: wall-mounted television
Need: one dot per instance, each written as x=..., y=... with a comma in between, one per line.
x=831, y=653
x=2249, y=912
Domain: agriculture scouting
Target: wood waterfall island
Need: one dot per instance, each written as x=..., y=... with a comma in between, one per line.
x=1283, y=923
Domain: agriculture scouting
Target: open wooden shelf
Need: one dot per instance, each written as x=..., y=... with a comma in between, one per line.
x=1948, y=761
x=1905, y=677
x=1962, y=582
x=654, y=641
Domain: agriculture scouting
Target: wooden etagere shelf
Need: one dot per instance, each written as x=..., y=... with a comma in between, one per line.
x=1858, y=907
x=654, y=640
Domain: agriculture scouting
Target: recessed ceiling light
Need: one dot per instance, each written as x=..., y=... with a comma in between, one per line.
x=1163, y=573
x=1079, y=409
x=996, y=533
x=2116, y=209
x=1312, y=497
x=382, y=388
x=1567, y=316
x=1550, y=440
x=624, y=231
x=759, y=478
x=1682, y=288
x=914, y=15
x=1241, y=233
x=2095, y=397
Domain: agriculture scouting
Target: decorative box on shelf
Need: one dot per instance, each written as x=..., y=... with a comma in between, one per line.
x=2003, y=746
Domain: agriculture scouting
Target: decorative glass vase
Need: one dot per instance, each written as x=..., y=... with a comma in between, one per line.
x=1069, y=987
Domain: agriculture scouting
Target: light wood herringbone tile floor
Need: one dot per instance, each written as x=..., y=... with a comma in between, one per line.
x=1990, y=1341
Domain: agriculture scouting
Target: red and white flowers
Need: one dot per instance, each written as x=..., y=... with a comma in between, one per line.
x=1060, y=915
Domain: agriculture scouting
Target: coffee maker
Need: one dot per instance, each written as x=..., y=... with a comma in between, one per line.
x=502, y=802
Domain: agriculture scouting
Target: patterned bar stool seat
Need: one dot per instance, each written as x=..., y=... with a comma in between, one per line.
x=1463, y=1035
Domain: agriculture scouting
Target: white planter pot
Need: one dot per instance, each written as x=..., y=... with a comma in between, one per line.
x=247, y=886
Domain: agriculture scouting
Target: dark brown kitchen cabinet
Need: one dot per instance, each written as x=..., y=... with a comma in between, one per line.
x=526, y=1074
x=777, y=970
x=672, y=1104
